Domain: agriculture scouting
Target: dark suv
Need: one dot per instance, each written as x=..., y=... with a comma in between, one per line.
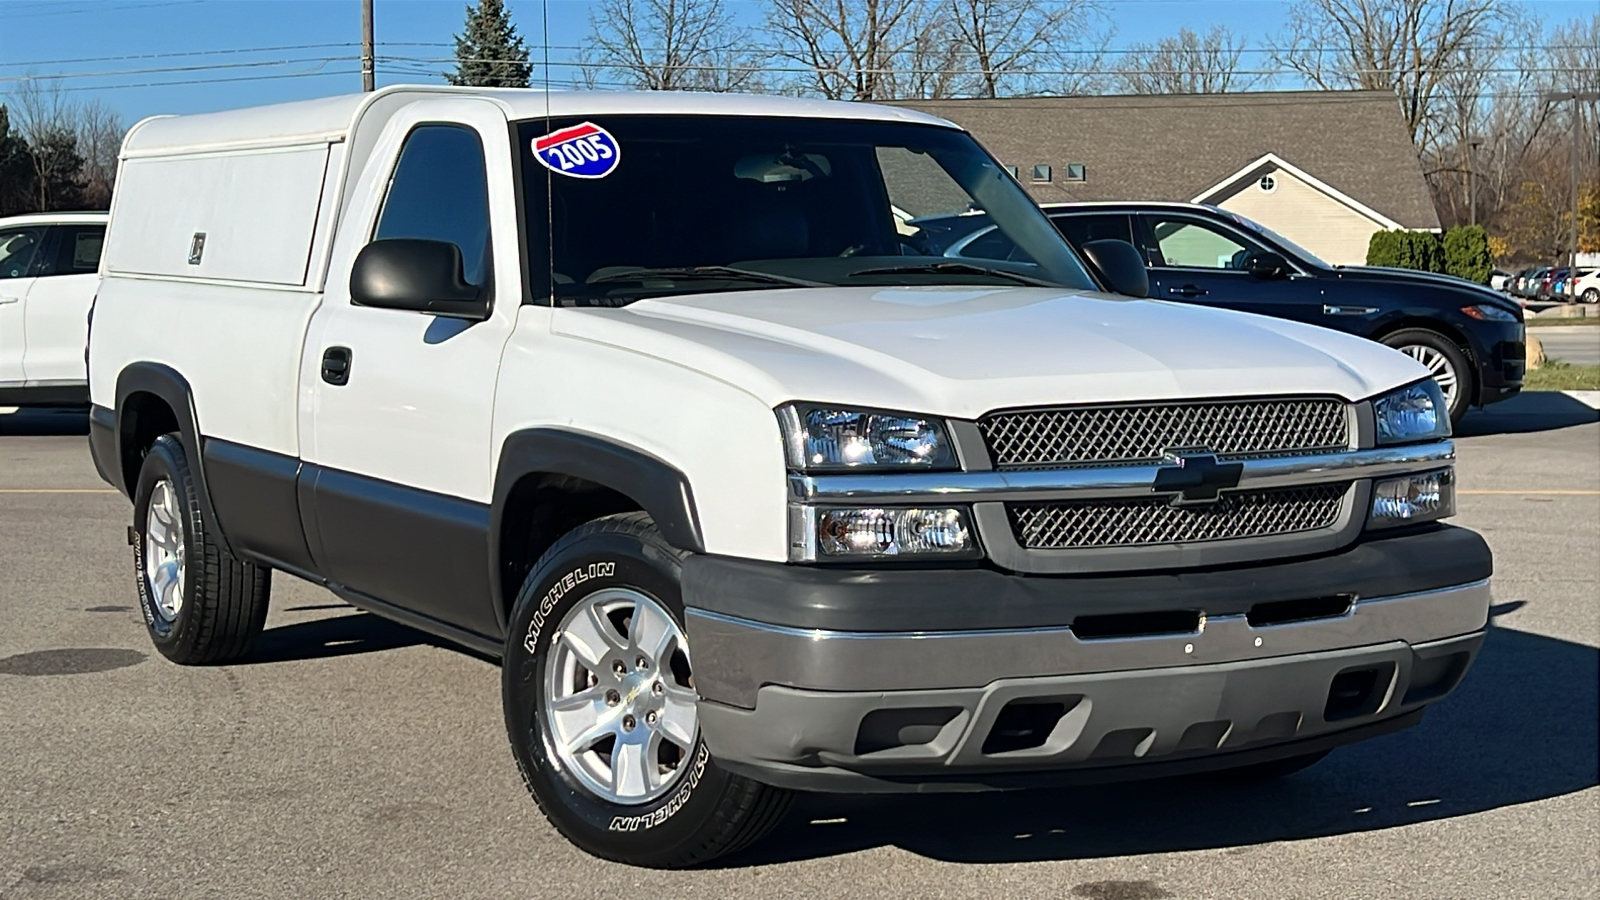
x=1470, y=336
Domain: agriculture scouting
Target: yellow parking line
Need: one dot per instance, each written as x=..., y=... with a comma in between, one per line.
x=57, y=491
x=1540, y=492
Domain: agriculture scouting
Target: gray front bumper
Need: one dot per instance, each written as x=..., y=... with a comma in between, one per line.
x=857, y=711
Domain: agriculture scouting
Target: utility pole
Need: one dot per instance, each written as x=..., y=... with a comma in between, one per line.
x=1472, y=193
x=369, y=74
x=1576, y=97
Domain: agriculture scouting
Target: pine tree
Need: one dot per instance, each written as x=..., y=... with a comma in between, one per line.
x=17, y=179
x=489, y=52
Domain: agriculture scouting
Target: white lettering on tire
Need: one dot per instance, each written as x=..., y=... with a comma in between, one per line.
x=558, y=590
x=651, y=820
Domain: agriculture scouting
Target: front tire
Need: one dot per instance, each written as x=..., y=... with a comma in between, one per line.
x=601, y=711
x=1444, y=359
x=201, y=604
x=1592, y=295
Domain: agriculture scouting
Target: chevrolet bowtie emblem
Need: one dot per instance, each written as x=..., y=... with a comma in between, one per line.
x=1196, y=478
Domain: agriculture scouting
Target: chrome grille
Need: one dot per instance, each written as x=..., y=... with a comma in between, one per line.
x=1134, y=435
x=1142, y=521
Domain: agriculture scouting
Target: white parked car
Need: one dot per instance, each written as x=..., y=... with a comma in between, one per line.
x=1586, y=289
x=49, y=265
x=654, y=397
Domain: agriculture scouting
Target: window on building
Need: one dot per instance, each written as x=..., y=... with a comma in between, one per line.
x=1268, y=184
x=1041, y=172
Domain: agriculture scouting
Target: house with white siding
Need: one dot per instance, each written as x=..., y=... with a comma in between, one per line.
x=1325, y=169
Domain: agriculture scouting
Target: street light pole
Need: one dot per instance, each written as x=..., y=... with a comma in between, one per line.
x=1575, y=97
x=369, y=75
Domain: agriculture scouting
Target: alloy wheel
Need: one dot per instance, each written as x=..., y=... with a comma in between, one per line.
x=619, y=699
x=1444, y=373
x=164, y=550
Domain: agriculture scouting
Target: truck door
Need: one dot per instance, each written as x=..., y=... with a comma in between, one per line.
x=19, y=246
x=400, y=402
x=57, y=314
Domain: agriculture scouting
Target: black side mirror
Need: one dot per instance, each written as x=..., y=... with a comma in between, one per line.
x=1119, y=265
x=423, y=276
x=1266, y=265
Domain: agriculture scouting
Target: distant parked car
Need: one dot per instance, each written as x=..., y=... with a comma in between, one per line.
x=1498, y=279
x=1586, y=289
x=1528, y=286
x=49, y=264
x=1470, y=336
x=1547, y=285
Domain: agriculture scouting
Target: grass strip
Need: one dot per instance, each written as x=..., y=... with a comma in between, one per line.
x=1556, y=375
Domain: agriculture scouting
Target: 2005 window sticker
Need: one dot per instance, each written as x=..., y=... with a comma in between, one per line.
x=582, y=151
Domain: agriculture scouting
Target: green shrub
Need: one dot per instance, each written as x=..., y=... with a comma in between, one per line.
x=1384, y=249
x=1466, y=253
x=1419, y=250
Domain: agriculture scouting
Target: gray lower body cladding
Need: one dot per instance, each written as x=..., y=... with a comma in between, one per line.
x=1299, y=657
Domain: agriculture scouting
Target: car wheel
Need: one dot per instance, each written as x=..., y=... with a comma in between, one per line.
x=1444, y=359
x=1274, y=769
x=201, y=604
x=601, y=710
x=1592, y=295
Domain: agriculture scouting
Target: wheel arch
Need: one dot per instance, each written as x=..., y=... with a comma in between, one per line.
x=155, y=399
x=550, y=480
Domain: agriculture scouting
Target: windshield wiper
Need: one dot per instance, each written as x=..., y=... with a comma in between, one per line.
x=955, y=268
x=719, y=273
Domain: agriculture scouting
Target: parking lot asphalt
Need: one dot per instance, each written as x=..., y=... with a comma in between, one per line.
x=356, y=758
x=1577, y=344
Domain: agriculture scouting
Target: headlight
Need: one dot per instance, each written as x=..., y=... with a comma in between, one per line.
x=1410, y=499
x=823, y=534
x=1488, y=312
x=822, y=437
x=1416, y=412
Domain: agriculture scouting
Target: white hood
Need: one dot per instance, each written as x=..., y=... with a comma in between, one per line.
x=965, y=351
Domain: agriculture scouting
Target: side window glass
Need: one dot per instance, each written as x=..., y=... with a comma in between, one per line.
x=440, y=192
x=18, y=246
x=1080, y=230
x=1189, y=244
x=77, y=250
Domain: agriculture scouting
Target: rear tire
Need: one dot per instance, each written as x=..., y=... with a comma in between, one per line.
x=600, y=706
x=201, y=604
x=1445, y=360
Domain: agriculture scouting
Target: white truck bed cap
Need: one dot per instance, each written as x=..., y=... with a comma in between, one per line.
x=331, y=118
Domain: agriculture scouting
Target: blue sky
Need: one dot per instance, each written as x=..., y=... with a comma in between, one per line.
x=40, y=37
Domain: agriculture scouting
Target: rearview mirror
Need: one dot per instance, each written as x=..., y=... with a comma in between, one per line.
x=1266, y=265
x=423, y=276
x=1119, y=265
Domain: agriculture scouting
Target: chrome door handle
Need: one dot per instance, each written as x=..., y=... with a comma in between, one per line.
x=1188, y=290
x=5, y=300
x=1331, y=310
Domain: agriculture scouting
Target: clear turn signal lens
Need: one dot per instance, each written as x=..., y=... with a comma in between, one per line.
x=892, y=532
x=1413, y=498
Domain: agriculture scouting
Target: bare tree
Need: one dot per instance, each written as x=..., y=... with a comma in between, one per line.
x=852, y=49
x=46, y=120
x=100, y=132
x=1008, y=41
x=1406, y=46
x=671, y=45
x=1189, y=63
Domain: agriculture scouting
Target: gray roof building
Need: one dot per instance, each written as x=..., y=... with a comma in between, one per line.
x=1332, y=166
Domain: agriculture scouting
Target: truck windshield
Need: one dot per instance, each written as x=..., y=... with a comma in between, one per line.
x=619, y=208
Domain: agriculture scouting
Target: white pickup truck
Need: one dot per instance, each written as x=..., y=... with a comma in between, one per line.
x=49, y=264
x=656, y=398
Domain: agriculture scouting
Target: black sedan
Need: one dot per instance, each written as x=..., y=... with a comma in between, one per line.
x=1469, y=336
